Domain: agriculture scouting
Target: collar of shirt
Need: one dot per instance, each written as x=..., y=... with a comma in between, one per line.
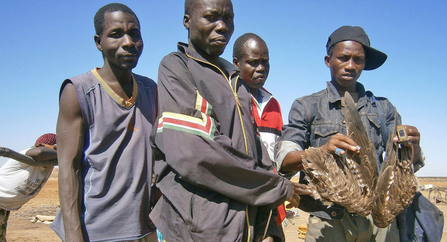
x=266, y=96
x=334, y=96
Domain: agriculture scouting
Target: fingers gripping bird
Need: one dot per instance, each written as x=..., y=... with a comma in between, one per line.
x=354, y=181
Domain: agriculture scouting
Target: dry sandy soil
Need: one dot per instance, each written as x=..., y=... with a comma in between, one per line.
x=20, y=228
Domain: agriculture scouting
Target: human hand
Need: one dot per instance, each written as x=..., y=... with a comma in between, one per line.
x=298, y=189
x=412, y=142
x=267, y=238
x=339, y=143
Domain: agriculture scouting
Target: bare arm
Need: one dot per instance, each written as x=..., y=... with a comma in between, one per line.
x=30, y=158
x=46, y=156
x=293, y=162
x=69, y=133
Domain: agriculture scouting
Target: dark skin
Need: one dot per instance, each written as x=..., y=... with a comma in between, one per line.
x=40, y=155
x=121, y=46
x=210, y=26
x=346, y=65
x=44, y=152
x=254, y=64
x=254, y=67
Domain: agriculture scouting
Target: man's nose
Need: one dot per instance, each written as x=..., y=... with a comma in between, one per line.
x=350, y=65
x=221, y=26
x=260, y=68
x=128, y=41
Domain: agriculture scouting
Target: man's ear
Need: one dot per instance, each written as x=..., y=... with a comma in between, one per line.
x=98, y=42
x=326, y=60
x=186, y=19
x=236, y=62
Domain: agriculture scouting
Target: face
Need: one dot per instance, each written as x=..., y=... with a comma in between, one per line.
x=254, y=65
x=210, y=26
x=346, y=64
x=120, y=43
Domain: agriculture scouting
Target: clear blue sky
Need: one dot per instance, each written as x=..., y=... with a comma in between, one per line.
x=44, y=42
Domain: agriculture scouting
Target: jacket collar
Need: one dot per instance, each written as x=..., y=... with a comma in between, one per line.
x=334, y=96
x=224, y=64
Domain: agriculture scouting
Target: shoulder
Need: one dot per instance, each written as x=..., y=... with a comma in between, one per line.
x=174, y=65
x=174, y=58
x=145, y=81
x=84, y=78
x=382, y=100
x=314, y=97
x=384, y=103
x=83, y=81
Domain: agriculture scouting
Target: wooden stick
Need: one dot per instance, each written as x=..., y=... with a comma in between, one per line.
x=267, y=226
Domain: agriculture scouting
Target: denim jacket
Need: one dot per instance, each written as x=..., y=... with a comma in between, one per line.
x=315, y=118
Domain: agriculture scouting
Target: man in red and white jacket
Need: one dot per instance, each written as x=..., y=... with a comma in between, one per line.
x=251, y=57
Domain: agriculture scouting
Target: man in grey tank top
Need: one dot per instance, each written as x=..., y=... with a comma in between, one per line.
x=105, y=159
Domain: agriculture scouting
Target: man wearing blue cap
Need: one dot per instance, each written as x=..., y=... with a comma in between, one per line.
x=317, y=121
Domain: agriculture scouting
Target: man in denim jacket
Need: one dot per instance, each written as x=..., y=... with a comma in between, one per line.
x=317, y=121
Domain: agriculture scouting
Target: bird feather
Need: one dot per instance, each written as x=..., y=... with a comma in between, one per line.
x=354, y=182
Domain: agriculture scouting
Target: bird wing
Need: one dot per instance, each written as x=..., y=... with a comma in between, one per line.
x=329, y=179
x=350, y=183
x=397, y=184
x=362, y=165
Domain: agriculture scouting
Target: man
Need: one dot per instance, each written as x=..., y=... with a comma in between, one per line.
x=209, y=165
x=103, y=129
x=317, y=121
x=251, y=57
x=24, y=175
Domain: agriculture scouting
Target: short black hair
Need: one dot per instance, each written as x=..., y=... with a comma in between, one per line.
x=188, y=6
x=237, y=47
x=111, y=7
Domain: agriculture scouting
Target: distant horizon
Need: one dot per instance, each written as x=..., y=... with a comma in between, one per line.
x=431, y=176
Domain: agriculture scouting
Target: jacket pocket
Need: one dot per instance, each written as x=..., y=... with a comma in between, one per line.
x=323, y=133
x=374, y=130
x=207, y=210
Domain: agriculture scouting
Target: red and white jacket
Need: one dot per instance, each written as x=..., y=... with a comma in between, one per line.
x=268, y=118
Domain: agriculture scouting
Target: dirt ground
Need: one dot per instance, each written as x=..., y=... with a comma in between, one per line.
x=20, y=228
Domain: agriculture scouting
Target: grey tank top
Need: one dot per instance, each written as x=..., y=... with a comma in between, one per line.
x=117, y=164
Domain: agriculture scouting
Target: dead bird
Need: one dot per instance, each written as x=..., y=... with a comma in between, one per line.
x=353, y=180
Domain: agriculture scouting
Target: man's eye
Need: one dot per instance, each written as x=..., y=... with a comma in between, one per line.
x=210, y=17
x=343, y=58
x=115, y=35
x=360, y=60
